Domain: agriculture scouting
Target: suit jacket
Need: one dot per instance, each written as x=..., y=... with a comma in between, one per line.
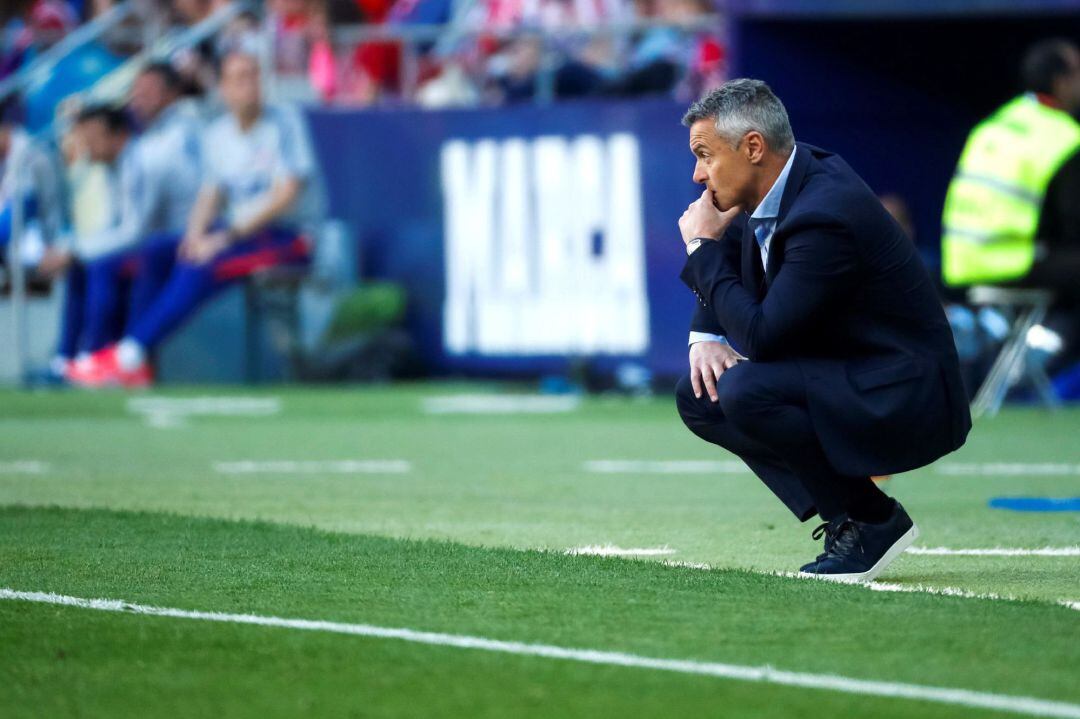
x=846, y=297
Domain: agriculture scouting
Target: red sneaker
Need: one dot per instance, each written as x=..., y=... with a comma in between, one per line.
x=102, y=369
x=96, y=370
x=139, y=378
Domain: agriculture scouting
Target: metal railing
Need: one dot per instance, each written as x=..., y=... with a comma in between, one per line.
x=115, y=84
x=41, y=66
x=444, y=41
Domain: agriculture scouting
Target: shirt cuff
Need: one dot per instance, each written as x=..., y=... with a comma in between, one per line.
x=706, y=337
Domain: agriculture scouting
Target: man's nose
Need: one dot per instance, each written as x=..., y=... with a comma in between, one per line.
x=699, y=175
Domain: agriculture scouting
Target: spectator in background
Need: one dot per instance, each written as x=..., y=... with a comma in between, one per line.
x=994, y=203
x=290, y=22
x=1056, y=76
x=158, y=175
x=673, y=55
x=302, y=46
x=28, y=177
x=515, y=70
x=661, y=56
x=105, y=135
x=49, y=22
x=664, y=59
x=708, y=60
x=452, y=87
x=1057, y=263
x=11, y=12
x=242, y=34
x=197, y=65
x=1010, y=214
x=191, y=12
x=372, y=70
x=34, y=27
x=260, y=194
x=16, y=38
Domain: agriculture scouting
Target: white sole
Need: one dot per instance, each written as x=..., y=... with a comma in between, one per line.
x=906, y=540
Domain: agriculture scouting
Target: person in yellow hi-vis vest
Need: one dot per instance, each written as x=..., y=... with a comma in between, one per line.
x=991, y=230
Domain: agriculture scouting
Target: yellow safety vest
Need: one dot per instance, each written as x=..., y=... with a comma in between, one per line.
x=993, y=203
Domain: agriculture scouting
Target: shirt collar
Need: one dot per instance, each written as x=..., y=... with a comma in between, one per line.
x=769, y=207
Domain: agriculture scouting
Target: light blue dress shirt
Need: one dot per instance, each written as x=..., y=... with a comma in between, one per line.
x=763, y=222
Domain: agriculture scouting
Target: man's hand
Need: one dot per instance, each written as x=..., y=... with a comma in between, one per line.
x=53, y=263
x=709, y=360
x=200, y=249
x=703, y=219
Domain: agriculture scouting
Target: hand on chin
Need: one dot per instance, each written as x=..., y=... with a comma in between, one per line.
x=704, y=219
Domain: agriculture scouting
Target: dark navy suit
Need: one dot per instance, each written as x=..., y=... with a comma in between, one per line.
x=852, y=369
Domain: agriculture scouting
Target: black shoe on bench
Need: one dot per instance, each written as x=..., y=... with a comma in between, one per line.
x=860, y=551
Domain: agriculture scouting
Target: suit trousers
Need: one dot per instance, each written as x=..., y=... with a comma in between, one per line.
x=762, y=416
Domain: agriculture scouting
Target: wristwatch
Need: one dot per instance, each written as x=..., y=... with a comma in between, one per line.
x=695, y=243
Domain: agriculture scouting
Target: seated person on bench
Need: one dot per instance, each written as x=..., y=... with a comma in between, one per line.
x=154, y=176
x=260, y=193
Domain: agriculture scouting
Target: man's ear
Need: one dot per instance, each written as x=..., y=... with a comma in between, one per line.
x=754, y=146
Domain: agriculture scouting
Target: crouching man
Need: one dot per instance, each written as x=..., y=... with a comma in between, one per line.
x=819, y=351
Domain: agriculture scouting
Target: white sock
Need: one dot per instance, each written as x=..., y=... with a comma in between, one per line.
x=58, y=365
x=130, y=355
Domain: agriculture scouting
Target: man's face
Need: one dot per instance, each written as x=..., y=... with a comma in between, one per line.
x=240, y=84
x=725, y=171
x=1067, y=86
x=149, y=96
x=101, y=144
x=191, y=10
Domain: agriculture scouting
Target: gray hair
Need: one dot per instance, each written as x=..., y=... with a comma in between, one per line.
x=741, y=106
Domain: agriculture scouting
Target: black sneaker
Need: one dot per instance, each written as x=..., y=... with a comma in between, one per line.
x=860, y=551
x=828, y=530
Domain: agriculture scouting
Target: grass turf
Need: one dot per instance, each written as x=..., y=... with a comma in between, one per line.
x=69, y=661
x=520, y=481
x=479, y=485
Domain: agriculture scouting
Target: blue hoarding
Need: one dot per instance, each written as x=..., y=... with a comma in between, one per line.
x=526, y=236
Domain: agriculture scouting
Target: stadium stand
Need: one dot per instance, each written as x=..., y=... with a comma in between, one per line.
x=413, y=448
x=60, y=58
x=410, y=55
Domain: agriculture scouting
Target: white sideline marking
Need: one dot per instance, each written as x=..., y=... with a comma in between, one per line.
x=691, y=565
x=501, y=404
x=939, y=591
x=24, y=466
x=610, y=550
x=943, y=695
x=998, y=552
x=343, y=466
x=688, y=466
x=891, y=587
x=993, y=469
x=954, y=592
x=171, y=412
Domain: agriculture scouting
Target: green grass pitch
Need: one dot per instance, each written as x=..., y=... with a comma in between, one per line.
x=118, y=508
